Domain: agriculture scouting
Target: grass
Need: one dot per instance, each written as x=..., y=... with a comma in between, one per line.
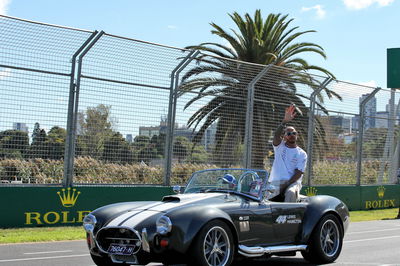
x=41, y=234
x=370, y=215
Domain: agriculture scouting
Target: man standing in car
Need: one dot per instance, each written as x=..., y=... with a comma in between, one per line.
x=290, y=160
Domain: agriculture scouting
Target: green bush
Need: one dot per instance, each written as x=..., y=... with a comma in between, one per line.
x=88, y=170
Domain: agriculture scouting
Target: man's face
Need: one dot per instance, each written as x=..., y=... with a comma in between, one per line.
x=290, y=135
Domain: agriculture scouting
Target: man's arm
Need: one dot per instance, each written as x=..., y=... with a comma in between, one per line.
x=290, y=113
x=293, y=179
x=278, y=133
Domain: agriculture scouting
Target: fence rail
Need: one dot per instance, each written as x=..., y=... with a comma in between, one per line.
x=88, y=107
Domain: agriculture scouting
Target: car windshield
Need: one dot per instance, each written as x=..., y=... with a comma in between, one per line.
x=244, y=181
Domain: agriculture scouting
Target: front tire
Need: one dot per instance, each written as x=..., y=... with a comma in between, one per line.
x=326, y=241
x=213, y=245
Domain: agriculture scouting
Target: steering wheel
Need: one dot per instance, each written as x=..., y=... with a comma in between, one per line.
x=245, y=181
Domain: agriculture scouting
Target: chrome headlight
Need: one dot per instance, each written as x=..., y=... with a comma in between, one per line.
x=164, y=225
x=89, y=222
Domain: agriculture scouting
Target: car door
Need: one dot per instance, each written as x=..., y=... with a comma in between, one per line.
x=253, y=221
x=287, y=220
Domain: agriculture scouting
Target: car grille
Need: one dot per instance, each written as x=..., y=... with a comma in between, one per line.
x=118, y=235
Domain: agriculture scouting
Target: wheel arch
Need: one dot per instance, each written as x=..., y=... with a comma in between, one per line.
x=189, y=221
x=316, y=211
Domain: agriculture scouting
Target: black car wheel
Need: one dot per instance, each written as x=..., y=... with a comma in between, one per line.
x=213, y=245
x=326, y=241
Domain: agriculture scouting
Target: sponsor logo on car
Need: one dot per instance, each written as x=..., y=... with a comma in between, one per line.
x=287, y=219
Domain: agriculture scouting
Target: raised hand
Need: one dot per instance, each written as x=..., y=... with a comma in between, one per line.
x=290, y=113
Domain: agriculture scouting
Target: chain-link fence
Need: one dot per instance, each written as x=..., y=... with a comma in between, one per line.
x=88, y=107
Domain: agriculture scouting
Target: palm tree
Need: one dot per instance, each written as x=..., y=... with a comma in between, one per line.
x=221, y=73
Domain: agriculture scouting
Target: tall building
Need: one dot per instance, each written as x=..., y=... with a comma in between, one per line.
x=20, y=127
x=382, y=119
x=354, y=122
x=370, y=111
x=397, y=122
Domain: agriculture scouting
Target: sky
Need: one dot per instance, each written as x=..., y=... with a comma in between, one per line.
x=354, y=33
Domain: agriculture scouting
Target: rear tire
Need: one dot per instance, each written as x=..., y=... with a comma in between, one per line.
x=326, y=241
x=213, y=245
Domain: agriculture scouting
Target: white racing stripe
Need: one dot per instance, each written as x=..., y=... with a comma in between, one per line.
x=44, y=252
x=124, y=216
x=369, y=239
x=185, y=199
x=145, y=214
x=45, y=258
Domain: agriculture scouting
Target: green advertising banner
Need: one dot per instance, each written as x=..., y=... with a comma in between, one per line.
x=360, y=197
x=57, y=206
x=393, y=68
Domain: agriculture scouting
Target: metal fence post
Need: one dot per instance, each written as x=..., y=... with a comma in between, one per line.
x=68, y=152
x=391, y=135
x=311, y=127
x=71, y=153
x=248, y=137
x=172, y=113
x=361, y=133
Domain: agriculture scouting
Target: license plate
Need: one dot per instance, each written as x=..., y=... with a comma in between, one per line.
x=119, y=249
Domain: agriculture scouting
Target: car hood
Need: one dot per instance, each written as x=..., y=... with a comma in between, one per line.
x=150, y=211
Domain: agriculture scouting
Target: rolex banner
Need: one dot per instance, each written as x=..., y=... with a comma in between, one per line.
x=57, y=206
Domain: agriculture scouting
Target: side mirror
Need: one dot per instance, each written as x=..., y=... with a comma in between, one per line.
x=176, y=189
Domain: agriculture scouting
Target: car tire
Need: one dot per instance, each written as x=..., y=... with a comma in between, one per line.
x=213, y=245
x=103, y=260
x=326, y=241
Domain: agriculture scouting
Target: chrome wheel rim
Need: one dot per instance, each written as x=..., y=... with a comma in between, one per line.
x=330, y=238
x=216, y=246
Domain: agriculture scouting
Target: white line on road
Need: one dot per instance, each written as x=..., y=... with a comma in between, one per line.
x=364, y=263
x=377, y=238
x=44, y=252
x=373, y=231
x=45, y=258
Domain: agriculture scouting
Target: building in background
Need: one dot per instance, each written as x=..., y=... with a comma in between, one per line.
x=341, y=122
x=382, y=119
x=370, y=111
x=129, y=138
x=208, y=139
x=20, y=127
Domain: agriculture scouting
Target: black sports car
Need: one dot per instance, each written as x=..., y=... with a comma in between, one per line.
x=222, y=216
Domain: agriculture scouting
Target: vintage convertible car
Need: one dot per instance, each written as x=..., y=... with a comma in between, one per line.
x=222, y=216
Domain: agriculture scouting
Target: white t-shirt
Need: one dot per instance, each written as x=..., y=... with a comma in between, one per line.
x=287, y=160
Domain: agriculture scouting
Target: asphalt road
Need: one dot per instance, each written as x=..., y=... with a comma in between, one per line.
x=366, y=243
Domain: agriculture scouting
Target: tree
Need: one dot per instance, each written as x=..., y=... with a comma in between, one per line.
x=180, y=148
x=94, y=127
x=266, y=42
x=117, y=150
x=38, y=148
x=56, y=143
x=13, y=143
x=198, y=155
